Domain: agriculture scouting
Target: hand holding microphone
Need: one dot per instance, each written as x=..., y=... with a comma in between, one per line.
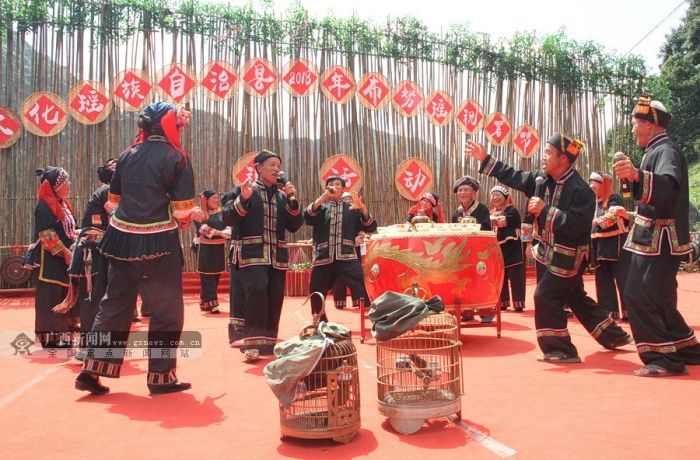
x=534, y=201
x=282, y=179
x=625, y=170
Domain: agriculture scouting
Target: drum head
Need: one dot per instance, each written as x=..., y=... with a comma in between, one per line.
x=12, y=271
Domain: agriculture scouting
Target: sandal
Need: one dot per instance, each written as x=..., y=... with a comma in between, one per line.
x=558, y=357
x=652, y=370
x=252, y=354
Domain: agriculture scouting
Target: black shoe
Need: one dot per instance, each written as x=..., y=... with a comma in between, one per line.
x=466, y=318
x=519, y=309
x=214, y=310
x=85, y=382
x=172, y=388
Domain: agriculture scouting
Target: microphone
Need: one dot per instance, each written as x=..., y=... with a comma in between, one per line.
x=527, y=227
x=282, y=179
x=624, y=183
x=539, y=180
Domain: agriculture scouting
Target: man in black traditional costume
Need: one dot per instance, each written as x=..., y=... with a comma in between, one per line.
x=262, y=211
x=563, y=215
x=336, y=225
x=658, y=240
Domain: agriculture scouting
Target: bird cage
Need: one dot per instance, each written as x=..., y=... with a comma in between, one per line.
x=327, y=400
x=419, y=373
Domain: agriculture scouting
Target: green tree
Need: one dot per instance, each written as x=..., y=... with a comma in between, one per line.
x=680, y=69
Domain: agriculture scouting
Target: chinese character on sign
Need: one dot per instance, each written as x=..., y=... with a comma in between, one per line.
x=248, y=172
x=90, y=103
x=407, y=99
x=440, y=108
x=437, y=109
x=339, y=167
x=413, y=178
x=346, y=173
x=176, y=83
x=219, y=80
x=408, y=95
x=45, y=114
x=374, y=91
x=259, y=77
x=526, y=140
x=497, y=130
x=133, y=90
x=413, y=181
x=470, y=116
x=8, y=127
x=339, y=84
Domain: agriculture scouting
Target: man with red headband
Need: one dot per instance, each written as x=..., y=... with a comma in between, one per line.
x=658, y=240
x=151, y=194
x=563, y=213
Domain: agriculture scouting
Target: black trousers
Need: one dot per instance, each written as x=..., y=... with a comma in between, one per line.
x=610, y=278
x=50, y=328
x=551, y=294
x=263, y=290
x=236, y=321
x=662, y=336
x=349, y=272
x=209, y=285
x=117, y=309
x=515, y=275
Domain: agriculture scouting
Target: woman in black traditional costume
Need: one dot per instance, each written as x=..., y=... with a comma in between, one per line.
x=50, y=254
x=152, y=194
x=505, y=221
x=210, y=244
x=608, y=235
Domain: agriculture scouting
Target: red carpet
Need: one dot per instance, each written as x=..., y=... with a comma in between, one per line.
x=512, y=406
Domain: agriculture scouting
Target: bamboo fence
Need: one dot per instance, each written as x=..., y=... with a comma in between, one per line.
x=304, y=130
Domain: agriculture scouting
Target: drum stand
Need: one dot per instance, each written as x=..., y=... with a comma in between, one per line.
x=496, y=311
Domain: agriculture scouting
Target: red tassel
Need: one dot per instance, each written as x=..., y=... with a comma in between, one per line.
x=70, y=300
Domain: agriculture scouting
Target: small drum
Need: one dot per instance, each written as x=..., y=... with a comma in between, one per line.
x=445, y=260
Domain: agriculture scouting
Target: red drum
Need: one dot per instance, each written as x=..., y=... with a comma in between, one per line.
x=445, y=260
